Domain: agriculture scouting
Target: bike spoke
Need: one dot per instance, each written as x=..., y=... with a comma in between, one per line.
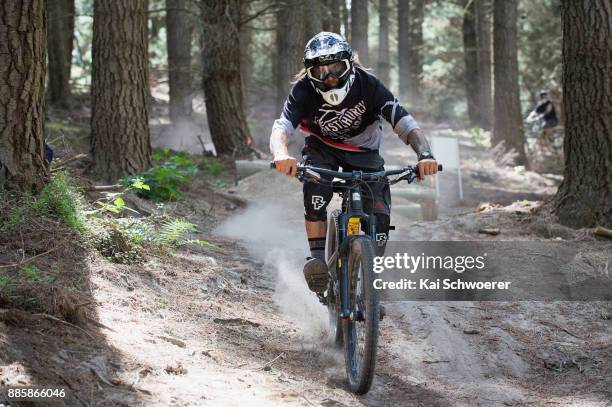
x=358, y=324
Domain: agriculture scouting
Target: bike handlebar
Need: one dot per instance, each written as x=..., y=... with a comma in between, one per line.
x=301, y=168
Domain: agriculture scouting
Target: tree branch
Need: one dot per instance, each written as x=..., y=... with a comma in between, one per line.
x=263, y=11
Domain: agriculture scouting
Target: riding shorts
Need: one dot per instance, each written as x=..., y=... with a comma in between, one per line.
x=551, y=123
x=376, y=195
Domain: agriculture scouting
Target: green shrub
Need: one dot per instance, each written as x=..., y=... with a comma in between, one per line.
x=113, y=240
x=164, y=180
x=174, y=232
x=212, y=166
x=161, y=154
x=58, y=199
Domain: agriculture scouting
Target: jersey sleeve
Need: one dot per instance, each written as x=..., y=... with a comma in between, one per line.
x=295, y=108
x=394, y=113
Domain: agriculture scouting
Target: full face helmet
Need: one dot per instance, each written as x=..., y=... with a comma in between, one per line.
x=328, y=59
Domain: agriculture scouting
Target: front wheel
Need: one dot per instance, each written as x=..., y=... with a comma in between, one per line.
x=361, y=328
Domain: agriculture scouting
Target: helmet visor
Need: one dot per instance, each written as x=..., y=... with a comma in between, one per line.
x=337, y=69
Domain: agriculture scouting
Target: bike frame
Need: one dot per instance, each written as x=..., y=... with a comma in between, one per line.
x=352, y=207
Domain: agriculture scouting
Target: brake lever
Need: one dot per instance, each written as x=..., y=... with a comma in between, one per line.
x=312, y=174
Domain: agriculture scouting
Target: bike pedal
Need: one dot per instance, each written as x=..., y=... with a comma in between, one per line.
x=382, y=312
x=391, y=227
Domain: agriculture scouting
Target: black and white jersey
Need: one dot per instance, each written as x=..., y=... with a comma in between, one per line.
x=547, y=108
x=355, y=122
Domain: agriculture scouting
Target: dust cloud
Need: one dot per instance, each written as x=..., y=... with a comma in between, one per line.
x=281, y=244
x=189, y=136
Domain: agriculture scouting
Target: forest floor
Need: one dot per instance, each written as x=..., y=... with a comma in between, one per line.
x=235, y=324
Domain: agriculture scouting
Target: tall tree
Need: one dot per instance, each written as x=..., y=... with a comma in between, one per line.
x=416, y=48
x=485, y=69
x=222, y=76
x=314, y=13
x=246, y=43
x=179, y=34
x=60, y=37
x=326, y=19
x=470, y=56
x=120, y=140
x=384, y=65
x=22, y=112
x=359, y=29
x=290, y=41
x=584, y=197
x=345, y=20
x=410, y=14
x=403, y=46
x=335, y=15
x=508, y=126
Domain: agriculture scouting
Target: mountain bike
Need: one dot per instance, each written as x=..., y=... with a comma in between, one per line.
x=352, y=301
x=537, y=139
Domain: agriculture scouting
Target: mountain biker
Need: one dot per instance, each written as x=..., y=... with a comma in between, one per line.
x=340, y=105
x=545, y=111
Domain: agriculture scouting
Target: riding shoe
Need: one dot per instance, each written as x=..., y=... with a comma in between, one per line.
x=315, y=273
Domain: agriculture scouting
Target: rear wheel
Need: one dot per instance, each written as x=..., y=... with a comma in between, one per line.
x=333, y=301
x=361, y=328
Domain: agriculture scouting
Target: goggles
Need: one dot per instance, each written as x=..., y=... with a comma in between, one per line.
x=337, y=69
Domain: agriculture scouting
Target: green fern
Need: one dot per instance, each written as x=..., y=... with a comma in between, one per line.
x=174, y=231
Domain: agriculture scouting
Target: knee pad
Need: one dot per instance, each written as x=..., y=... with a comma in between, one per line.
x=316, y=198
x=382, y=232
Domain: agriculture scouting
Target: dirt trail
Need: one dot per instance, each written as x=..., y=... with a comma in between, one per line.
x=237, y=325
x=459, y=353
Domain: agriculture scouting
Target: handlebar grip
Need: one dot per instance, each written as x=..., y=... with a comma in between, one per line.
x=439, y=167
x=273, y=165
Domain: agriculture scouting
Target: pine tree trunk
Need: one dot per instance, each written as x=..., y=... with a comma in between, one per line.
x=470, y=56
x=246, y=38
x=179, y=31
x=359, y=29
x=60, y=36
x=345, y=20
x=508, y=126
x=326, y=19
x=335, y=15
x=410, y=14
x=485, y=78
x=384, y=65
x=22, y=108
x=290, y=42
x=403, y=48
x=120, y=139
x=222, y=77
x=415, y=49
x=313, y=13
x=584, y=198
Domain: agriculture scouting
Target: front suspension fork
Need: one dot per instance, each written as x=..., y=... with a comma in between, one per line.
x=343, y=255
x=343, y=277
